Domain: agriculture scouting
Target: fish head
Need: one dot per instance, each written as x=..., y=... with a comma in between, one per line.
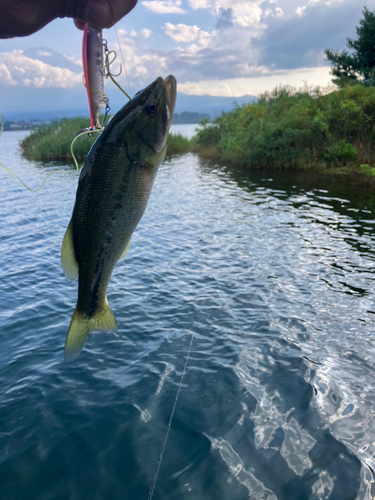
x=143, y=124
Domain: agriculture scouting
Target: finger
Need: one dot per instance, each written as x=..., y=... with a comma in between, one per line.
x=102, y=13
x=79, y=24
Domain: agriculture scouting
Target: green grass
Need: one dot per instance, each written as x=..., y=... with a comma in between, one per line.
x=177, y=143
x=53, y=142
x=287, y=129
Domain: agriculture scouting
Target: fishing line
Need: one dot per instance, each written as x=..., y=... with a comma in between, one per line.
x=119, y=86
x=122, y=56
x=85, y=132
x=169, y=424
x=14, y=175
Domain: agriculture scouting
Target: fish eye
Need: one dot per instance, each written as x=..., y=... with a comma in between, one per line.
x=152, y=108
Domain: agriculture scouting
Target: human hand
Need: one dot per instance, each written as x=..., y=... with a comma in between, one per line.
x=24, y=17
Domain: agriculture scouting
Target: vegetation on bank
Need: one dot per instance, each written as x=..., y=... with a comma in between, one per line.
x=287, y=129
x=52, y=142
x=298, y=130
x=307, y=129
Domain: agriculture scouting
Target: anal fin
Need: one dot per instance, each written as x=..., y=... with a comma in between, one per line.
x=68, y=258
x=125, y=251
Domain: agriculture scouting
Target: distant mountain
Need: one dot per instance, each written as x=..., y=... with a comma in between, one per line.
x=188, y=117
x=53, y=58
x=211, y=105
x=51, y=103
x=24, y=102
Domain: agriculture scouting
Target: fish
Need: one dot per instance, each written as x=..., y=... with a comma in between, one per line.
x=112, y=194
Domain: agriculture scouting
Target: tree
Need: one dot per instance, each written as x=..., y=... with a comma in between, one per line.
x=360, y=64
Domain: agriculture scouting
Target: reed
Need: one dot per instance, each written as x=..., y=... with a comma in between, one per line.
x=177, y=143
x=52, y=142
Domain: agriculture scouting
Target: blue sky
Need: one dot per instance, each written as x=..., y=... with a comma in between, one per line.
x=217, y=47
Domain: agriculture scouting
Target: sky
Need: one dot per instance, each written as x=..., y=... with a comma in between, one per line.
x=217, y=47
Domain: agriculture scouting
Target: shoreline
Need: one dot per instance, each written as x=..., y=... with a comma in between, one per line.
x=288, y=132
x=181, y=145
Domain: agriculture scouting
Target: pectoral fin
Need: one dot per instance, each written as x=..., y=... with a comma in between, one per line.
x=68, y=258
x=80, y=326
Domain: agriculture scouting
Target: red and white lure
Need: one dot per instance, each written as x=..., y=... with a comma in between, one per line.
x=96, y=60
x=94, y=71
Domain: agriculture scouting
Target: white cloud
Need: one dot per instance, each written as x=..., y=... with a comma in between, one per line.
x=42, y=53
x=244, y=13
x=301, y=10
x=247, y=13
x=17, y=69
x=270, y=13
x=200, y=4
x=164, y=7
x=141, y=64
x=236, y=87
x=241, y=48
x=6, y=76
x=182, y=32
x=145, y=33
x=206, y=38
x=76, y=59
x=185, y=34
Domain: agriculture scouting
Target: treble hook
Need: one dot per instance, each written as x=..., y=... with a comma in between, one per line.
x=119, y=73
x=106, y=70
x=106, y=111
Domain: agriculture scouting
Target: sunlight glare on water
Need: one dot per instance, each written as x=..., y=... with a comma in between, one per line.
x=273, y=276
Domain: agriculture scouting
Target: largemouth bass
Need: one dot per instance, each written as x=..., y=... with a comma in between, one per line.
x=113, y=191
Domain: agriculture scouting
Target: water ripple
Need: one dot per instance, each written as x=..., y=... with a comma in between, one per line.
x=273, y=278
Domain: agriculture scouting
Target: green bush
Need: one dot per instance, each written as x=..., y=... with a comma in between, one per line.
x=209, y=134
x=341, y=151
x=177, y=143
x=367, y=169
x=52, y=142
x=289, y=128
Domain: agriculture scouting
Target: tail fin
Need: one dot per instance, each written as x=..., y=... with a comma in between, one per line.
x=80, y=326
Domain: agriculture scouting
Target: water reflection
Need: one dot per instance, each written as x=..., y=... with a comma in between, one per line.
x=330, y=240
x=273, y=277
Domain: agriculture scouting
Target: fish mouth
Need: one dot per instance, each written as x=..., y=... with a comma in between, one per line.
x=171, y=90
x=160, y=88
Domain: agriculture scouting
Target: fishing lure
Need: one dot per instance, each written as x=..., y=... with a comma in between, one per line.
x=96, y=60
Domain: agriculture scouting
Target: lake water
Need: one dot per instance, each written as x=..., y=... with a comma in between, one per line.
x=188, y=130
x=271, y=278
